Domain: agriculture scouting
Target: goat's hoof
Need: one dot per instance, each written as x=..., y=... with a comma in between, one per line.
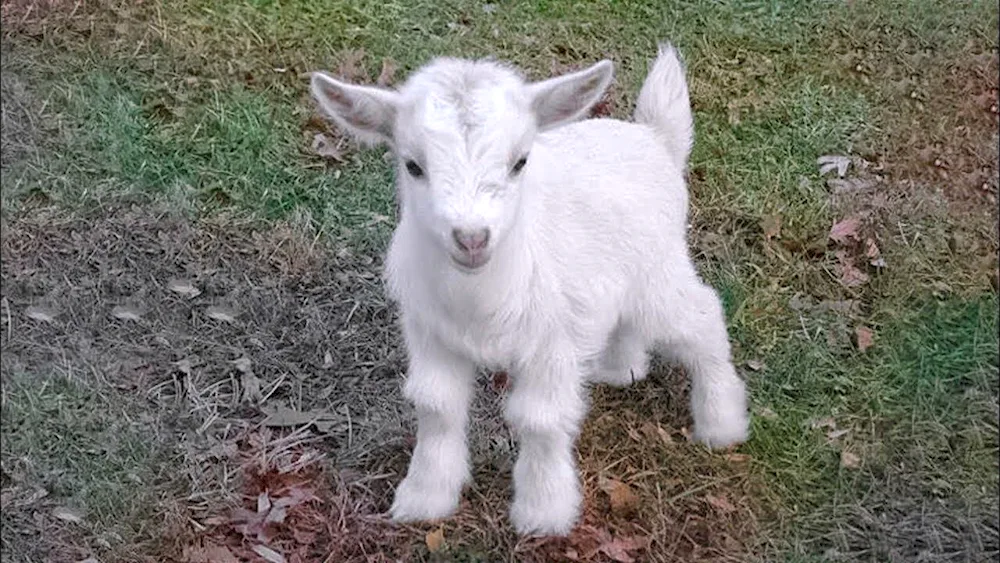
x=554, y=515
x=414, y=503
x=723, y=432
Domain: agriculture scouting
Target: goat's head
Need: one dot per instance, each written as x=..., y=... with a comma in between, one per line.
x=462, y=132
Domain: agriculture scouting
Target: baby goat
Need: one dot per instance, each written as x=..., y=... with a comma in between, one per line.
x=551, y=247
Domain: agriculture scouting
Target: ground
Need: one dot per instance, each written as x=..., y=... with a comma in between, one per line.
x=199, y=363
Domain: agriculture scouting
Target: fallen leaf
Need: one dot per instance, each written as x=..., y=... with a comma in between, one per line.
x=327, y=360
x=489, y=8
x=263, y=503
x=845, y=229
x=126, y=313
x=388, y=72
x=655, y=432
x=834, y=434
x=849, y=460
x=327, y=147
x=853, y=277
x=720, y=503
x=279, y=416
x=619, y=549
x=623, y=498
x=830, y=162
x=41, y=314
x=874, y=254
x=67, y=514
x=243, y=364
x=850, y=275
x=435, y=540
x=864, y=337
x=768, y=413
x=849, y=185
x=771, y=225
x=756, y=365
x=209, y=554
x=825, y=422
x=184, y=288
x=96, y=560
x=269, y=554
x=500, y=381
x=738, y=457
x=184, y=366
x=221, y=314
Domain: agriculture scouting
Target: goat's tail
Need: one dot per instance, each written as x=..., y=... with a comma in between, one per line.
x=664, y=105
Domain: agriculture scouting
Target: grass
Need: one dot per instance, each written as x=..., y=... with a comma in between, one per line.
x=197, y=116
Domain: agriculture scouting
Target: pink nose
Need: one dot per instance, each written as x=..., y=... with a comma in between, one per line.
x=471, y=240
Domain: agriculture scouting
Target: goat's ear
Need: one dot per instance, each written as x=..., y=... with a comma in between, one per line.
x=365, y=111
x=566, y=98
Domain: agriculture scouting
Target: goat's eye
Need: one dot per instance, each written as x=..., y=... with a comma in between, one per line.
x=414, y=169
x=519, y=165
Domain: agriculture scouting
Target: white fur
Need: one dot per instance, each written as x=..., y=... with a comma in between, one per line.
x=588, y=268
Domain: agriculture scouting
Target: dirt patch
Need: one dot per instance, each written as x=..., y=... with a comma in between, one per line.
x=219, y=330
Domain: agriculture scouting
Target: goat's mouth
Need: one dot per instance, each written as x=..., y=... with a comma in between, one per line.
x=470, y=263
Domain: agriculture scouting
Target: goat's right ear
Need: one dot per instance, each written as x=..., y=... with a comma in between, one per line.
x=365, y=111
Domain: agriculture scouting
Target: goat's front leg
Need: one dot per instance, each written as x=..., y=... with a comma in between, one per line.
x=545, y=409
x=439, y=384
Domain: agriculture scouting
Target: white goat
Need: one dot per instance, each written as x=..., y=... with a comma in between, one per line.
x=547, y=246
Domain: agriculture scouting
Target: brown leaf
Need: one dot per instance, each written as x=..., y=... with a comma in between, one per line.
x=183, y=288
x=756, y=365
x=602, y=108
x=850, y=275
x=67, y=514
x=623, y=498
x=221, y=314
x=619, y=549
x=720, y=503
x=655, y=432
x=388, y=72
x=768, y=413
x=209, y=554
x=849, y=460
x=500, y=381
x=269, y=554
x=834, y=434
x=845, y=229
x=864, y=337
x=41, y=314
x=435, y=540
x=771, y=225
x=828, y=163
x=738, y=457
x=127, y=313
x=874, y=254
x=327, y=147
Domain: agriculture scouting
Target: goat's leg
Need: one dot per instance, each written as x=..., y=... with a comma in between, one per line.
x=439, y=384
x=691, y=323
x=545, y=409
x=624, y=360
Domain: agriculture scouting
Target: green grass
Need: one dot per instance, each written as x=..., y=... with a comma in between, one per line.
x=184, y=106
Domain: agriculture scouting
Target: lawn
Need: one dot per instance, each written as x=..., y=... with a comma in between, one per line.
x=199, y=363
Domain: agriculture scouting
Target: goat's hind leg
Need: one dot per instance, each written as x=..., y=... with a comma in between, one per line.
x=624, y=360
x=690, y=318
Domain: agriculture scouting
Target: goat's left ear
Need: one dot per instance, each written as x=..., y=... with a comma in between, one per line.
x=567, y=98
x=367, y=112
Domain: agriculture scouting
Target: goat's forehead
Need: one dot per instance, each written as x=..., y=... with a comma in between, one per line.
x=461, y=96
